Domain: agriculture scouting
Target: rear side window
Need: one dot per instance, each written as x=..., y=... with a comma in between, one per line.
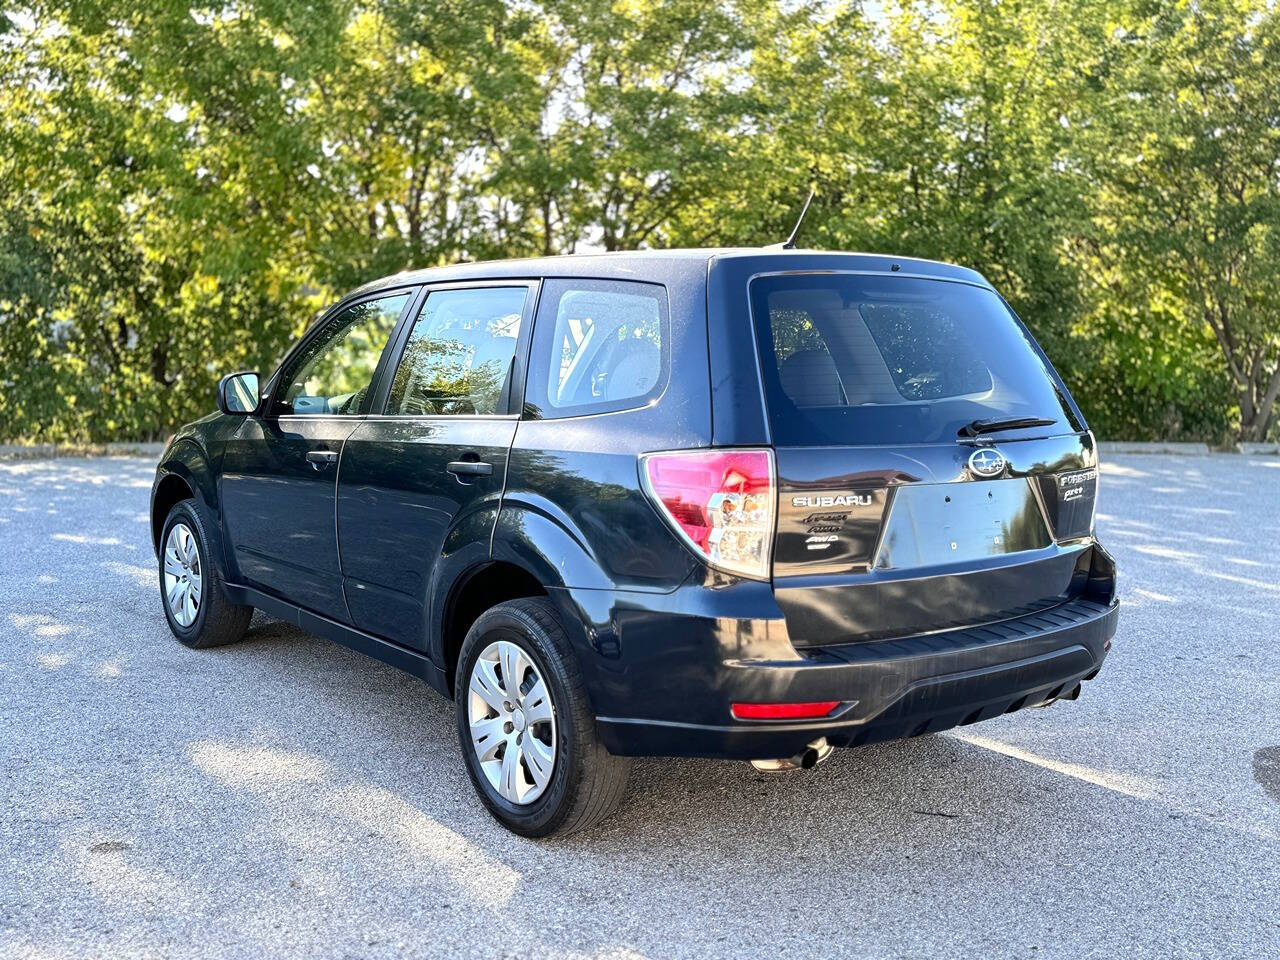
x=599, y=346
x=851, y=359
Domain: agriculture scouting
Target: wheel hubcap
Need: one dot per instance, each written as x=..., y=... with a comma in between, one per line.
x=512, y=722
x=183, y=582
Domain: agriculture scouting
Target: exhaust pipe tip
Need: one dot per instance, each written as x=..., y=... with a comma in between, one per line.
x=1072, y=694
x=813, y=754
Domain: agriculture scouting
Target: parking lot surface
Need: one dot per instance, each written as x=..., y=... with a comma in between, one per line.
x=286, y=797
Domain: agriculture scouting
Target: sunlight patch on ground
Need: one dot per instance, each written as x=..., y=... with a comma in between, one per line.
x=1211, y=511
x=81, y=538
x=1243, y=581
x=142, y=576
x=1168, y=553
x=256, y=768
x=1117, y=470
x=53, y=661
x=1152, y=595
x=1129, y=786
x=40, y=625
x=1122, y=521
x=387, y=814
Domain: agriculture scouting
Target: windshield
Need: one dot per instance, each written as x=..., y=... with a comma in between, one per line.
x=852, y=359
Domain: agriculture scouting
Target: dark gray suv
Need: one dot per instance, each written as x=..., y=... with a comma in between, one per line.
x=719, y=503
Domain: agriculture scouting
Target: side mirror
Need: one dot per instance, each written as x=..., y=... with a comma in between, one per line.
x=238, y=393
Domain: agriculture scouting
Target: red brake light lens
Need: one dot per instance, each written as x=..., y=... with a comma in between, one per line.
x=722, y=502
x=784, y=711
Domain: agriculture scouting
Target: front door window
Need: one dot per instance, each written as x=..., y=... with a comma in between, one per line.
x=332, y=376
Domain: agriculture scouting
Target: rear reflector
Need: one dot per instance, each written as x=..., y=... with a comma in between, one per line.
x=721, y=502
x=784, y=711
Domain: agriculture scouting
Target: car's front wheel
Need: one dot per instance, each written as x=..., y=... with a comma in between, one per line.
x=199, y=613
x=525, y=725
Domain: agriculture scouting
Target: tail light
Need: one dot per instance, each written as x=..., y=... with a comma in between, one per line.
x=1097, y=482
x=721, y=502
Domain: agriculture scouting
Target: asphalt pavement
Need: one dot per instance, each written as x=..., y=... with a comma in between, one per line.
x=284, y=797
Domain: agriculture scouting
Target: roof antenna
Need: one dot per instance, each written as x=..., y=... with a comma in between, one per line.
x=790, y=243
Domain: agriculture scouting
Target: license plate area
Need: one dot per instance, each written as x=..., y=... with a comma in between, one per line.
x=941, y=523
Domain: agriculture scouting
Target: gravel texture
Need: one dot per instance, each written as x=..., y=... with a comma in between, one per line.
x=285, y=797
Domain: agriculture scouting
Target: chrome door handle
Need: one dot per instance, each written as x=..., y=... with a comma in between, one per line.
x=321, y=458
x=471, y=468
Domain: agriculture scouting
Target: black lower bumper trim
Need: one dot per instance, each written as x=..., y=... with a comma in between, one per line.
x=923, y=685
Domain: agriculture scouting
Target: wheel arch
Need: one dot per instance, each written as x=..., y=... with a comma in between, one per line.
x=532, y=532
x=186, y=474
x=171, y=489
x=478, y=588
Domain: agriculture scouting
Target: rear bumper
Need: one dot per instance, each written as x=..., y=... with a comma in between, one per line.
x=888, y=689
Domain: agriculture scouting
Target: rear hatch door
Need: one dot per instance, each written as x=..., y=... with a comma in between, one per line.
x=932, y=472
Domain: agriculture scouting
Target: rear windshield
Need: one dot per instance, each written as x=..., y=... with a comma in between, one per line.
x=850, y=359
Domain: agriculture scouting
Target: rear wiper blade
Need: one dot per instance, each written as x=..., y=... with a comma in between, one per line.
x=975, y=427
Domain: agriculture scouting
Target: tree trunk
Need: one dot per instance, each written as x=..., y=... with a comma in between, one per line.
x=160, y=365
x=1259, y=400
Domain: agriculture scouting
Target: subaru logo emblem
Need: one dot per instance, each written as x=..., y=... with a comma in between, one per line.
x=987, y=462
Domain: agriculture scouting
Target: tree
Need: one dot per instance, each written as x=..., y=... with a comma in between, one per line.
x=942, y=133
x=645, y=104
x=1187, y=158
x=184, y=188
x=156, y=271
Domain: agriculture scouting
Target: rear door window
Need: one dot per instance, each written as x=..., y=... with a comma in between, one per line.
x=458, y=358
x=599, y=346
x=852, y=359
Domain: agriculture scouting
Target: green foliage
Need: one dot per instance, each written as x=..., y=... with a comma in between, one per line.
x=1186, y=155
x=184, y=187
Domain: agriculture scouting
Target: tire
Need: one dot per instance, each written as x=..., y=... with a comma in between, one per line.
x=212, y=620
x=586, y=782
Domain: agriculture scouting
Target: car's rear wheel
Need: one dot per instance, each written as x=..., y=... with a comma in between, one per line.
x=525, y=726
x=197, y=609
